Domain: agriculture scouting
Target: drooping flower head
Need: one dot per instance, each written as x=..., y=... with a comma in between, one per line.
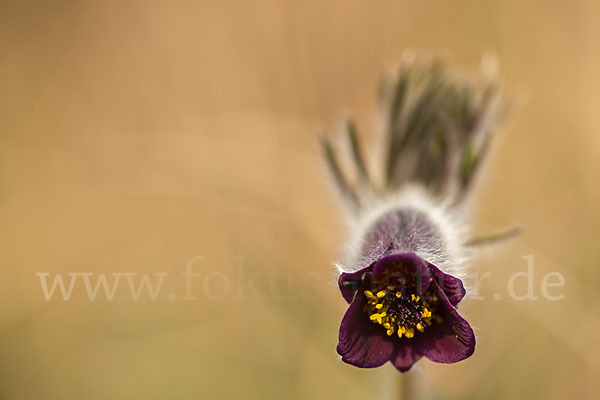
x=407, y=246
x=402, y=308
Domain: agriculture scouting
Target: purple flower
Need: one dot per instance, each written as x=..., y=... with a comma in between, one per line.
x=402, y=308
x=408, y=218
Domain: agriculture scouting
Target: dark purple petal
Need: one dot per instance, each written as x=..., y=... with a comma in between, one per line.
x=410, y=264
x=407, y=353
x=361, y=342
x=350, y=283
x=452, y=287
x=451, y=340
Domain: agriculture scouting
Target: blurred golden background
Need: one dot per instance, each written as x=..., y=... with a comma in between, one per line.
x=137, y=135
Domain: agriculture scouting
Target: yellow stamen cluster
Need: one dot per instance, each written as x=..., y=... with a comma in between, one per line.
x=378, y=308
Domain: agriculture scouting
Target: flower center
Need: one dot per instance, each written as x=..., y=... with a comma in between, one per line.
x=394, y=304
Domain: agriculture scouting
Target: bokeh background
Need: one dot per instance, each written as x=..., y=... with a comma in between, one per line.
x=137, y=135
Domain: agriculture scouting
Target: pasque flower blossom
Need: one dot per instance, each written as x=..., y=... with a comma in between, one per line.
x=401, y=309
x=407, y=248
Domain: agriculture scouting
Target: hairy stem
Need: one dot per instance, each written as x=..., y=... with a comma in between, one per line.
x=406, y=386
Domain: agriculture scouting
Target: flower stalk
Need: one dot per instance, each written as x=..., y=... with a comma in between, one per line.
x=405, y=386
